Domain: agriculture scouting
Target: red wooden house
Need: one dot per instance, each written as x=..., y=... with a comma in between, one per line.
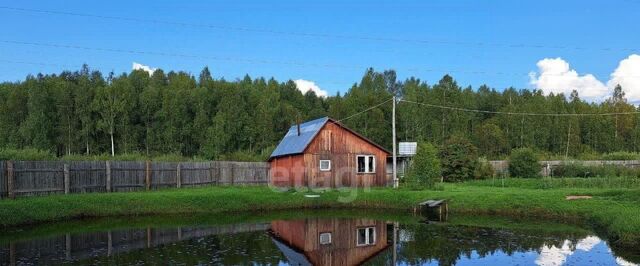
x=325, y=153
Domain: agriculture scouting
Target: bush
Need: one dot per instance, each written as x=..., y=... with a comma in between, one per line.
x=425, y=169
x=484, y=169
x=524, y=163
x=459, y=159
x=26, y=155
x=580, y=170
x=572, y=170
x=105, y=157
x=621, y=156
x=243, y=156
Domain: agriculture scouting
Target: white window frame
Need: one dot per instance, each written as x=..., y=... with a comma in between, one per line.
x=369, y=236
x=367, y=159
x=325, y=234
x=325, y=169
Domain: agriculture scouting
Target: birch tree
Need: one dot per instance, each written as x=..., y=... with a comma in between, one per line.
x=109, y=104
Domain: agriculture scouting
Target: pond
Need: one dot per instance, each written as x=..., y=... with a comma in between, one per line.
x=309, y=238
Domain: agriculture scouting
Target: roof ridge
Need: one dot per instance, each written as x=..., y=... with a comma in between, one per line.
x=296, y=143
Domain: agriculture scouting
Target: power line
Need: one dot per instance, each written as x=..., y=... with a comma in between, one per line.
x=69, y=67
x=36, y=63
x=517, y=113
x=259, y=61
x=216, y=58
x=363, y=111
x=318, y=35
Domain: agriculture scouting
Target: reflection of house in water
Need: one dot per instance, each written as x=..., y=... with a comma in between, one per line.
x=330, y=241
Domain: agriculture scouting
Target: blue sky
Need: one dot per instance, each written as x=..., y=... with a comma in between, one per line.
x=479, y=42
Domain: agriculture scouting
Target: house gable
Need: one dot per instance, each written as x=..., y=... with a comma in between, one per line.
x=298, y=138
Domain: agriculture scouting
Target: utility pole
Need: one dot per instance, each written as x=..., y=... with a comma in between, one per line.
x=395, y=243
x=393, y=126
x=566, y=155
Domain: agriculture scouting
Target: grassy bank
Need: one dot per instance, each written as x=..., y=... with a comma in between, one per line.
x=614, y=211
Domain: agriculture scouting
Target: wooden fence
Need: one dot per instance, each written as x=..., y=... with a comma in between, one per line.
x=33, y=178
x=546, y=167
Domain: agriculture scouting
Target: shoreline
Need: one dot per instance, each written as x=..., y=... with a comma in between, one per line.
x=612, y=212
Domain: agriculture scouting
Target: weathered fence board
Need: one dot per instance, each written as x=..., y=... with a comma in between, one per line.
x=127, y=176
x=546, y=167
x=163, y=174
x=32, y=178
x=245, y=173
x=3, y=180
x=197, y=174
x=87, y=177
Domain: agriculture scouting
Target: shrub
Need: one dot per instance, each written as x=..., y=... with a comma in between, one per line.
x=425, y=168
x=572, y=170
x=588, y=156
x=580, y=170
x=26, y=155
x=242, y=156
x=523, y=162
x=621, y=156
x=459, y=159
x=484, y=169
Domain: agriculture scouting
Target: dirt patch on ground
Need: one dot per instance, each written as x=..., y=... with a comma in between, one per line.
x=578, y=197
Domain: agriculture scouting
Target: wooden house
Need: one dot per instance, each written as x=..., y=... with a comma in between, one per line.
x=325, y=153
x=330, y=241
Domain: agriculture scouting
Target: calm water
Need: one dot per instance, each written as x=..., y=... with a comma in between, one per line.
x=308, y=240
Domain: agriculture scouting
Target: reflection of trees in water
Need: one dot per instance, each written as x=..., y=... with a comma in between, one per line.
x=447, y=244
x=244, y=244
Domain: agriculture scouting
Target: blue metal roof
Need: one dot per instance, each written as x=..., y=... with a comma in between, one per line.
x=294, y=144
x=294, y=257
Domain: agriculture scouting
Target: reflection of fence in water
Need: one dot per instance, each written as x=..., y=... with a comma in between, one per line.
x=73, y=247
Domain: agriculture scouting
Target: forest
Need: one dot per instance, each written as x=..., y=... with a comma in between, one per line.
x=86, y=112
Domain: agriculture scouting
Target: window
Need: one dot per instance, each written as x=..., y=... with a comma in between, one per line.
x=366, y=236
x=366, y=164
x=325, y=238
x=325, y=165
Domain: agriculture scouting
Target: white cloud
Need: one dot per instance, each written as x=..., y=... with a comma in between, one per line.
x=306, y=85
x=587, y=243
x=628, y=76
x=138, y=66
x=556, y=76
x=558, y=255
x=554, y=255
x=623, y=262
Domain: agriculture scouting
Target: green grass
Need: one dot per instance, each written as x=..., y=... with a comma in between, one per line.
x=613, y=211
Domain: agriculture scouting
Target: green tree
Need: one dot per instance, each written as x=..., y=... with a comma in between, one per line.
x=523, y=162
x=490, y=140
x=425, y=168
x=459, y=159
x=83, y=98
x=110, y=104
x=14, y=100
x=80, y=112
x=39, y=127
